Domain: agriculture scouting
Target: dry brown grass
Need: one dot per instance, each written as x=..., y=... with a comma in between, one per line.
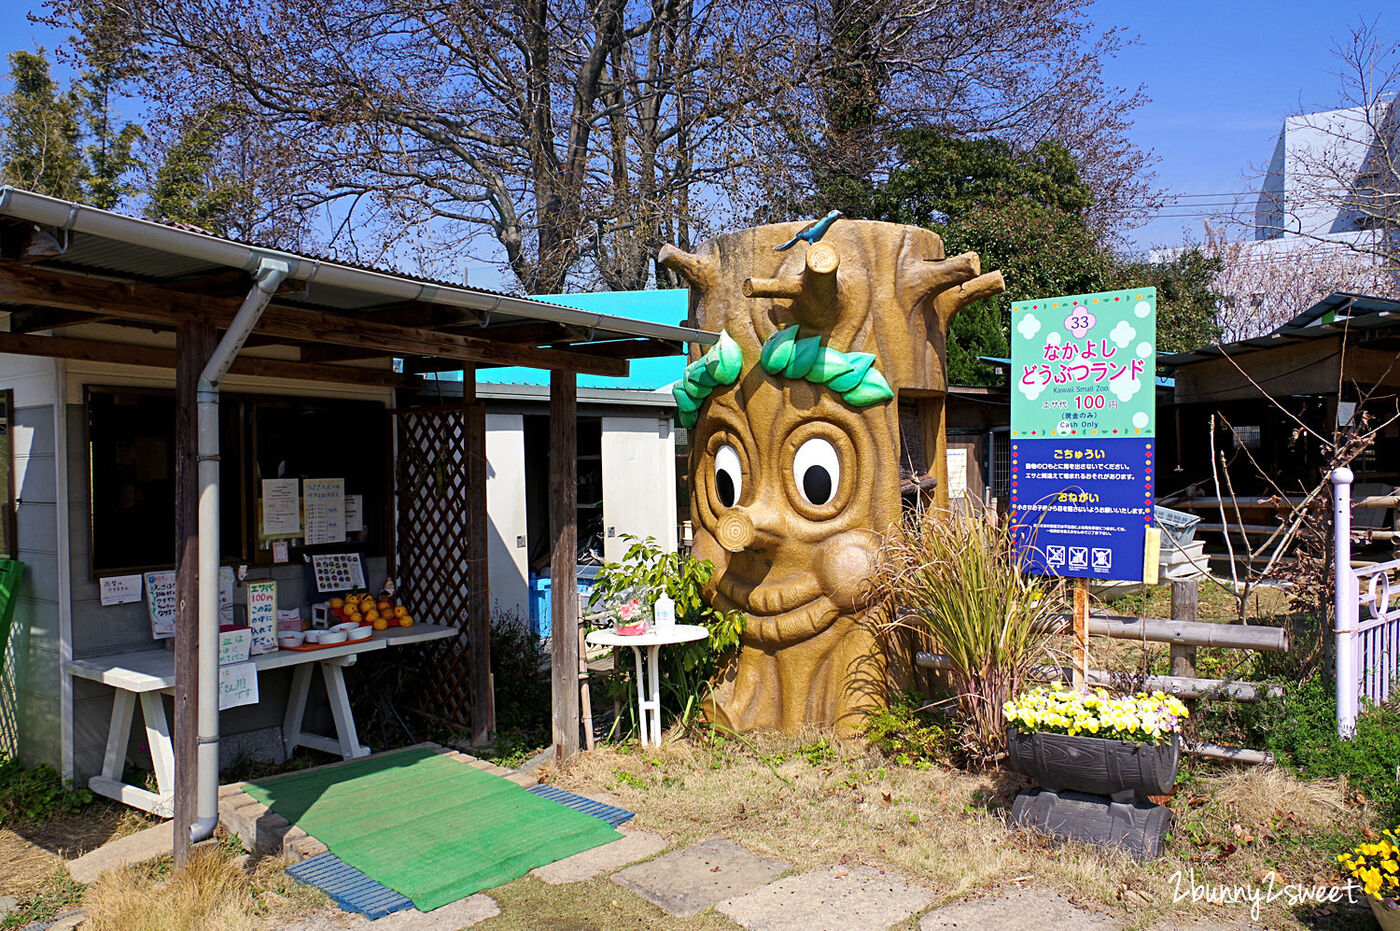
x=214, y=890
x=946, y=828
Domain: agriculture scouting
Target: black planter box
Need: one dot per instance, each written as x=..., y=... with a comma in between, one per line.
x=1122, y=770
x=1136, y=828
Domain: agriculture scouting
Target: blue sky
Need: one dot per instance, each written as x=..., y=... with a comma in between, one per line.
x=1221, y=75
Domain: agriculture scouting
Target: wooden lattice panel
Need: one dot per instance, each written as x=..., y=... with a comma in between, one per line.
x=441, y=555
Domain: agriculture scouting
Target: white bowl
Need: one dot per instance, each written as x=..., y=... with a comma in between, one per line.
x=361, y=632
x=348, y=625
x=291, y=639
x=333, y=636
x=313, y=636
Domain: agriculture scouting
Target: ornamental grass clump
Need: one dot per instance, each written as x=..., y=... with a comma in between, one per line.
x=1376, y=865
x=958, y=581
x=1142, y=718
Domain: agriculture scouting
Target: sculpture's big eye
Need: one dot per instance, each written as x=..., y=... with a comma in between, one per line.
x=729, y=476
x=817, y=471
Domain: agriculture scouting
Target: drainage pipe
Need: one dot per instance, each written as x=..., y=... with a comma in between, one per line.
x=266, y=278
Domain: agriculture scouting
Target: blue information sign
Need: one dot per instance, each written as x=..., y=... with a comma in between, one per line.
x=1081, y=508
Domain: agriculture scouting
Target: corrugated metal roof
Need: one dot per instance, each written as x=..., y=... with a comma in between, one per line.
x=1335, y=315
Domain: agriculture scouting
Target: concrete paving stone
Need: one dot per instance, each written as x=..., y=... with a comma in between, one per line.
x=1016, y=910
x=144, y=845
x=8, y=903
x=68, y=923
x=838, y=898
x=636, y=845
x=686, y=882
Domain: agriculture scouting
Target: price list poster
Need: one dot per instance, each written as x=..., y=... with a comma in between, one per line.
x=1083, y=431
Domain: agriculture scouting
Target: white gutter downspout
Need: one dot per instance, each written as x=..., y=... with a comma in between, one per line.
x=267, y=277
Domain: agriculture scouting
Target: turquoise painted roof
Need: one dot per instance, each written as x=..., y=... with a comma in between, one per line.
x=669, y=306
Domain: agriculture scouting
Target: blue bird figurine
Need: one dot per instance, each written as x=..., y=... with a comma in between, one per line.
x=812, y=233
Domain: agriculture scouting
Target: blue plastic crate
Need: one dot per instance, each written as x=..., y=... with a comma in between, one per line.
x=541, y=610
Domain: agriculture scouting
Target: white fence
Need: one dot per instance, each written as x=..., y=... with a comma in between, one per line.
x=1368, y=648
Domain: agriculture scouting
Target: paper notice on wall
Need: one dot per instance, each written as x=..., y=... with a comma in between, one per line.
x=225, y=595
x=262, y=616
x=160, y=603
x=121, y=589
x=957, y=473
x=354, y=513
x=325, y=510
x=281, y=507
x=280, y=551
x=238, y=685
x=338, y=572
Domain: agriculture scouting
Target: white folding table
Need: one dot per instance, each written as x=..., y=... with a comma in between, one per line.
x=648, y=674
x=147, y=674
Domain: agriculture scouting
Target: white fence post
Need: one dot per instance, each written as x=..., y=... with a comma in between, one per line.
x=1346, y=608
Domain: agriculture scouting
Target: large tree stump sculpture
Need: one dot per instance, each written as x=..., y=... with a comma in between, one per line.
x=795, y=449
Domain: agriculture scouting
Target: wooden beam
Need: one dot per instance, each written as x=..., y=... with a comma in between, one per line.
x=632, y=349
x=143, y=301
x=529, y=334
x=91, y=350
x=195, y=343
x=339, y=353
x=29, y=319
x=563, y=564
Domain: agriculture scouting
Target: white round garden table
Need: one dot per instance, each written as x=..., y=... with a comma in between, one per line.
x=648, y=675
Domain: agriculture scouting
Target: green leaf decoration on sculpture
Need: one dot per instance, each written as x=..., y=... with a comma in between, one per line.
x=720, y=365
x=850, y=374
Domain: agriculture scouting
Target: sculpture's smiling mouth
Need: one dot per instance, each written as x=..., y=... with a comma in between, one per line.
x=780, y=611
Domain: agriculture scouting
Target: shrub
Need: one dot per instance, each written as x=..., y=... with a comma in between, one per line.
x=958, y=580
x=523, y=710
x=36, y=794
x=907, y=733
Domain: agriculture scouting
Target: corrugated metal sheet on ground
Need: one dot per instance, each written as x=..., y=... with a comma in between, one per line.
x=352, y=890
x=609, y=813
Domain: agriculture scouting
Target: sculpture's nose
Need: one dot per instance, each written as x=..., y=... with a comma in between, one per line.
x=752, y=527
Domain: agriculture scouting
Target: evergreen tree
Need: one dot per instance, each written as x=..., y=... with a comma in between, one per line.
x=41, y=145
x=189, y=186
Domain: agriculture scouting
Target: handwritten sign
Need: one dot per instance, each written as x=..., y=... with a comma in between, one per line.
x=262, y=616
x=281, y=507
x=225, y=595
x=160, y=603
x=238, y=685
x=325, y=510
x=234, y=645
x=121, y=589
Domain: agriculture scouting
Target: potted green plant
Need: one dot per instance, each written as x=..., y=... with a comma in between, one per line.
x=1123, y=746
x=1376, y=865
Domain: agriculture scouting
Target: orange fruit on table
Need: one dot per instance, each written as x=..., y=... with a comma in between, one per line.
x=381, y=624
x=371, y=616
x=337, y=604
x=400, y=611
x=385, y=606
x=405, y=621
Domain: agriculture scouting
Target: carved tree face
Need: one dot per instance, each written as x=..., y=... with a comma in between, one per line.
x=803, y=467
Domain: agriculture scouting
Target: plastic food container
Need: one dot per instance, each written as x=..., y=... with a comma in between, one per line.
x=333, y=636
x=347, y=626
x=291, y=638
x=361, y=632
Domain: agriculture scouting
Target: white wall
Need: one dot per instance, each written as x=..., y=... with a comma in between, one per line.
x=639, y=482
x=508, y=572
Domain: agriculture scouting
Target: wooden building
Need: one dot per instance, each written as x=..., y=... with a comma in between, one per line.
x=133, y=348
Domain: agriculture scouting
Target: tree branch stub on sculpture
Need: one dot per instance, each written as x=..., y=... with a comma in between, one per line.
x=795, y=451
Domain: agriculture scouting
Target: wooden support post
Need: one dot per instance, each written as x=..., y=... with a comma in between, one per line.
x=194, y=345
x=478, y=579
x=563, y=567
x=1185, y=607
x=1080, y=679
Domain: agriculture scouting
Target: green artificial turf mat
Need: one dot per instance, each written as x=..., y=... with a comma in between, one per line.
x=428, y=826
